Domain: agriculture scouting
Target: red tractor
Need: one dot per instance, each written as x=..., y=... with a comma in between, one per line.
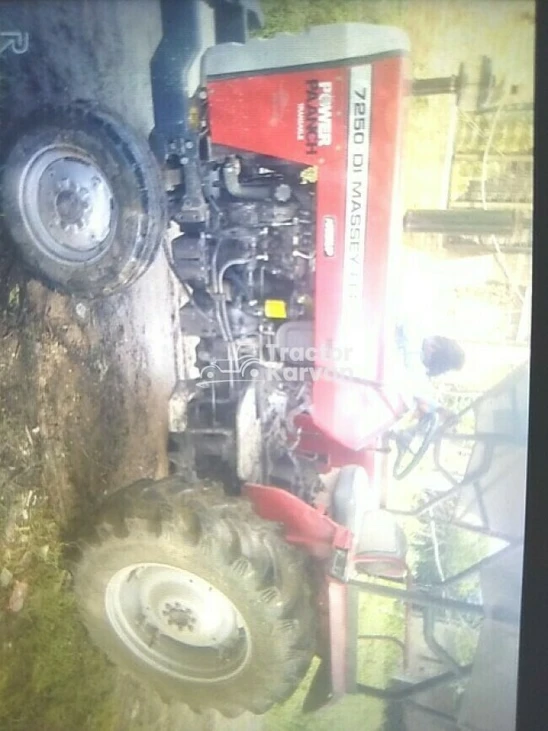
x=277, y=163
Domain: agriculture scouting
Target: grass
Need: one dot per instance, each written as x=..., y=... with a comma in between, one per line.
x=377, y=662
x=288, y=16
x=51, y=677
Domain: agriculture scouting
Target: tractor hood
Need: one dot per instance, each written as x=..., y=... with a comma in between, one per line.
x=331, y=99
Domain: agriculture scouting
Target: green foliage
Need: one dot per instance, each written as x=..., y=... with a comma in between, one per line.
x=291, y=16
x=458, y=549
x=377, y=662
x=51, y=677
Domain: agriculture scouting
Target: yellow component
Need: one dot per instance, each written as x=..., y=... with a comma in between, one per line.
x=309, y=175
x=194, y=117
x=276, y=309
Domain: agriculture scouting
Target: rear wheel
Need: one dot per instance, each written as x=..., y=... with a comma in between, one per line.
x=193, y=593
x=82, y=199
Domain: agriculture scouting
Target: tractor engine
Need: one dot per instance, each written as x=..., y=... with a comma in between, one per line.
x=287, y=203
x=249, y=272
x=253, y=267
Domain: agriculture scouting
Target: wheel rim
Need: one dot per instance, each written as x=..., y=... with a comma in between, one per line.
x=67, y=204
x=177, y=623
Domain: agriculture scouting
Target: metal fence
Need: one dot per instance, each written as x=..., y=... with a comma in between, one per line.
x=492, y=170
x=492, y=164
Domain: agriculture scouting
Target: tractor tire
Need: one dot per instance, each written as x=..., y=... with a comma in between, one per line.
x=82, y=199
x=192, y=593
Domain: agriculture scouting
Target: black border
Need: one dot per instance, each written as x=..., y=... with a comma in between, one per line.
x=533, y=674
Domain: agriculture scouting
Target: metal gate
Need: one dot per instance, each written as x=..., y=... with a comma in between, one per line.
x=493, y=158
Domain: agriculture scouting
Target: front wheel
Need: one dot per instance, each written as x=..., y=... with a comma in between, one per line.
x=82, y=199
x=193, y=593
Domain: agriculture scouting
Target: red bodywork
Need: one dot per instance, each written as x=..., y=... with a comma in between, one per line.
x=346, y=122
x=330, y=454
x=321, y=537
x=313, y=530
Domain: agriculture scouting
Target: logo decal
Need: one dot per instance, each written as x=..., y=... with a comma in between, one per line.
x=315, y=116
x=357, y=184
x=309, y=175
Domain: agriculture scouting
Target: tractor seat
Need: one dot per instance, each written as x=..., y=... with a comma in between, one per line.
x=352, y=497
x=380, y=545
x=381, y=548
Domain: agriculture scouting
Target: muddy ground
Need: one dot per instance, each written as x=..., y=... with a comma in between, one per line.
x=104, y=377
x=84, y=386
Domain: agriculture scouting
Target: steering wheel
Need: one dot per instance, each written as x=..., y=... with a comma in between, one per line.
x=408, y=456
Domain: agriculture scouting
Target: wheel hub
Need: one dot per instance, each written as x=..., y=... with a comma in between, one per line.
x=67, y=202
x=71, y=207
x=177, y=622
x=181, y=617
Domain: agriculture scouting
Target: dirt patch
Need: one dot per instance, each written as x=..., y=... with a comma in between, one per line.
x=19, y=452
x=81, y=402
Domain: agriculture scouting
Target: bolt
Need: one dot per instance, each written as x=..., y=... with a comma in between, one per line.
x=189, y=145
